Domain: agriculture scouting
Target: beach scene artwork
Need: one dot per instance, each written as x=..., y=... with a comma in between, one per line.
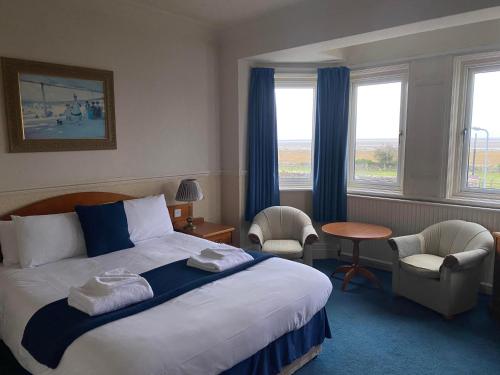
x=62, y=108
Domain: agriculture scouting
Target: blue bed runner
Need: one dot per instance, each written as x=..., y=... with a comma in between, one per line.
x=55, y=326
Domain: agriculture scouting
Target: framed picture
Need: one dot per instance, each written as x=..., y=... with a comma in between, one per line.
x=52, y=107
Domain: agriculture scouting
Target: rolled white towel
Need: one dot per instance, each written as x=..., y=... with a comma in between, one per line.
x=109, y=291
x=217, y=265
x=219, y=253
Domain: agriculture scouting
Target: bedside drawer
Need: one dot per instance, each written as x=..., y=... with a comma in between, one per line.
x=226, y=238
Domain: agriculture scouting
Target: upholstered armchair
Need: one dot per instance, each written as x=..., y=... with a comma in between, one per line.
x=284, y=231
x=441, y=267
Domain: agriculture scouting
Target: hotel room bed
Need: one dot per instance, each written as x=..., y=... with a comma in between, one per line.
x=205, y=331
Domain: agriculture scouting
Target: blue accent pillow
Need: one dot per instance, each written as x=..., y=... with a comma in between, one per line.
x=105, y=228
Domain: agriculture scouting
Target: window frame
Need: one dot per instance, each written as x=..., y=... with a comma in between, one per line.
x=464, y=68
x=298, y=80
x=372, y=76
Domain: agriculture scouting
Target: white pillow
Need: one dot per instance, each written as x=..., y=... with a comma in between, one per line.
x=8, y=243
x=147, y=218
x=48, y=238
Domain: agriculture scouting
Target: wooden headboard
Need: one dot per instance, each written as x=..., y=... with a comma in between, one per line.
x=67, y=202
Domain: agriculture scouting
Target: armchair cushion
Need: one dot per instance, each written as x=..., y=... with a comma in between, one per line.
x=465, y=259
x=289, y=249
x=424, y=265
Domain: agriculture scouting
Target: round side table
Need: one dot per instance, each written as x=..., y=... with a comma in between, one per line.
x=356, y=232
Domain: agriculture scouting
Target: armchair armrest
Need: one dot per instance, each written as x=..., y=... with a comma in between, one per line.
x=465, y=259
x=405, y=246
x=309, y=235
x=255, y=234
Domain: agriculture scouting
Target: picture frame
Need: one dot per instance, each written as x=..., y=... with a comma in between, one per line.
x=53, y=107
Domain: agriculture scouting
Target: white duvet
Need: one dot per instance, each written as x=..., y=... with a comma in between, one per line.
x=205, y=331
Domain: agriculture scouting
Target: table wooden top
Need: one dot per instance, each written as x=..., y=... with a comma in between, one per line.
x=357, y=231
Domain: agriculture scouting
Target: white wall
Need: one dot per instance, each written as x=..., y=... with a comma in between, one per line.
x=165, y=73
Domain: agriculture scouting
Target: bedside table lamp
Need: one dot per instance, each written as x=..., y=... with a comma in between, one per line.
x=189, y=191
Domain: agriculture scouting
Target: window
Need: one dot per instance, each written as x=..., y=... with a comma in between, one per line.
x=376, y=129
x=295, y=110
x=475, y=135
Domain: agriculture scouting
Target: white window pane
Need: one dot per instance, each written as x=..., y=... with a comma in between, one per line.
x=377, y=132
x=294, y=109
x=483, y=169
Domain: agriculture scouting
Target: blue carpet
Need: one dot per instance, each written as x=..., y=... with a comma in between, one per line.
x=377, y=334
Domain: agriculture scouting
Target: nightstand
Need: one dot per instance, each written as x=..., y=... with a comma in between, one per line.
x=210, y=231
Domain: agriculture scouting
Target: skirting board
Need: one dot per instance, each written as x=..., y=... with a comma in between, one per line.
x=485, y=288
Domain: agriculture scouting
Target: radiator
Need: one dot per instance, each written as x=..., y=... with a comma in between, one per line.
x=407, y=217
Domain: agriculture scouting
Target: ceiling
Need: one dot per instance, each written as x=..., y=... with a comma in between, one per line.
x=472, y=30
x=218, y=13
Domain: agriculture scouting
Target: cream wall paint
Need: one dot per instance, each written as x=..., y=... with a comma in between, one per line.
x=165, y=72
x=166, y=86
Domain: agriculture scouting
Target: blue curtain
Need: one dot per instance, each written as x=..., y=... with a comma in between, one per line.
x=263, y=179
x=330, y=145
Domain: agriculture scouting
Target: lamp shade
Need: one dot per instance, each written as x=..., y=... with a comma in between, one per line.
x=189, y=191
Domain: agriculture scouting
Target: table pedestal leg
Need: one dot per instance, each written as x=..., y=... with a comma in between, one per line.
x=355, y=269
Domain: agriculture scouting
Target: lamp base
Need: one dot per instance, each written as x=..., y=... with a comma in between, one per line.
x=189, y=225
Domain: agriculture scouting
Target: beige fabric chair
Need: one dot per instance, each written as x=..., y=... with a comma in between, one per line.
x=284, y=231
x=441, y=267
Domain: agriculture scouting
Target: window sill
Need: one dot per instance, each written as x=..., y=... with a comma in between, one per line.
x=474, y=201
x=350, y=191
x=463, y=202
x=375, y=192
x=285, y=189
